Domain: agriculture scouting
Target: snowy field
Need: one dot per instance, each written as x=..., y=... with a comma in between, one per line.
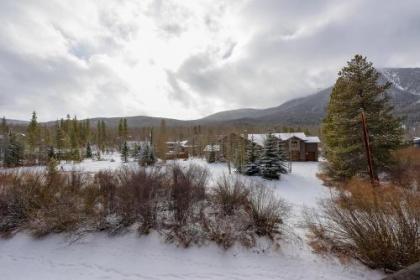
x=98, y=256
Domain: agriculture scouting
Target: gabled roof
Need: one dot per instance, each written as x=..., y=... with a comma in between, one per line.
x=312, y=139
x=259, y=139
x=212, y=148
x=287, y=135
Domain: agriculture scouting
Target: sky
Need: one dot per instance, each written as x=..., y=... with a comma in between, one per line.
x=187, y=59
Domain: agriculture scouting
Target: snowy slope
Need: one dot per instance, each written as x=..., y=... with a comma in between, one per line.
x=98, y=256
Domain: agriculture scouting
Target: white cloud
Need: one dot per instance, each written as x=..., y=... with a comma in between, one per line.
x=185, y=59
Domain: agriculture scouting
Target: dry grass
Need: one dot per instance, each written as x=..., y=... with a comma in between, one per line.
x=171, y=200
x=231, y=194
x=379, y=226
x=406, y=171
x=267, y=211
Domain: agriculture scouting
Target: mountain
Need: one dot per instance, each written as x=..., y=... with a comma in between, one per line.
x=309, y=110
x=404, y=94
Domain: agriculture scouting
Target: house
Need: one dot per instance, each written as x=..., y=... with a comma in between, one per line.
x=297, y=145
x=214, y=148
x=177, y=149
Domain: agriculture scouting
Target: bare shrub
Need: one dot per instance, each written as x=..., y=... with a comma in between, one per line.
x=39, y=202
x=187, y=202
x=230, y=194
x=379, y=226
x=187, y=188
x=406, y=170
x=13, y=209
x=267, y=211
x=143, y=189
x=226, y=230
x=129, y=196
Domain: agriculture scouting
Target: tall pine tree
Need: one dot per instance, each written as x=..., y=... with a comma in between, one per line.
x=33, y=135
x=357, y=90
x=272, y=164
x=13, y=155
x=251, y=161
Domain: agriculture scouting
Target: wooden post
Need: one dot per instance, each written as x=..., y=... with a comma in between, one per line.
x=373, y=177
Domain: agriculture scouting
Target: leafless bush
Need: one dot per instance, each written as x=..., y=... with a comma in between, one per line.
x=230, y=194
x=379, y=226
x=13, y=211
x=267, y=211
x=171, y=200
x=130, y=196
x=406, y=170
x=226, y=230
x=187, y=188
x=40, y=203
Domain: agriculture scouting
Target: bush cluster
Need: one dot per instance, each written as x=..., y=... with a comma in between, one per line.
x=380, y=226
x=176, y=201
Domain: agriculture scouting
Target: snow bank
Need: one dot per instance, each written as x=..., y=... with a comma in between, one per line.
x=98, y=256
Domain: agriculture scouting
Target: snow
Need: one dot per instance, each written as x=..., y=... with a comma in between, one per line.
x=259, y=139
x=98, y=256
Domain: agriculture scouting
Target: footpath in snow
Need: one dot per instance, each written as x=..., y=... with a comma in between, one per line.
x=98, y=256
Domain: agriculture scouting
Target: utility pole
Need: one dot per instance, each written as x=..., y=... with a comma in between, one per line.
x=373, y=177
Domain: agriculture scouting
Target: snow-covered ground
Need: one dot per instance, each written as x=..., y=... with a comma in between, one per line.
x=98, y=256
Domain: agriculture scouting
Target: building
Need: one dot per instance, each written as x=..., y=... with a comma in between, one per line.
x=298, y=146
x=177, y=149
x=216, y=148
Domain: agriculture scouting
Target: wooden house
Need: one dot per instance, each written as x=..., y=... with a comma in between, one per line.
x=177, y=149
x=297, y=145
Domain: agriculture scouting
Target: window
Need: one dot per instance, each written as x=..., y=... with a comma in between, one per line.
x=294, y=144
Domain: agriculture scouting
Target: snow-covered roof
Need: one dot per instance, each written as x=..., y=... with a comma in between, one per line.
x=312, y=139
x=182, y=143
x=287, y=135
x=212, y=148
x=260, y=138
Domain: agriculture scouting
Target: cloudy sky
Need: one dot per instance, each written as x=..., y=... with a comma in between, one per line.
x=186, y=59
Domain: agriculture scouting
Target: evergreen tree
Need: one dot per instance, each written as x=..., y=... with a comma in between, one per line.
x=4, y=129
x=147, y=157
x=13, y=155
x=103, y=134
x=251, y=164
x=162, y=139
x=271, y=163
x=212, y=155
x=33, y=134
x=125, y=129
x=50, y=152
x=124, y=152
x=357, y=90
x=88, y=151
x=136, y=152
x=120, y=129
x=59, y=140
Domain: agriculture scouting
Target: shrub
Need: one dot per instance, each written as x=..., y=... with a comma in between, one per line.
x=267, y=211
x=129, y=196
x=40, y=202
x=379, y=226
x=187, y=187
x=406, y=170
x=230, y=194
